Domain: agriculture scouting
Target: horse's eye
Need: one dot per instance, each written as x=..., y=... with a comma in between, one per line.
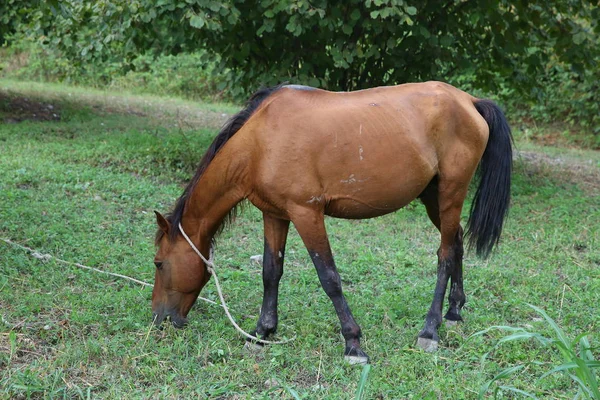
x=158, y=264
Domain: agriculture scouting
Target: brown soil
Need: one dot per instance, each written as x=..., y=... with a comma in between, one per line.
x=18, y=109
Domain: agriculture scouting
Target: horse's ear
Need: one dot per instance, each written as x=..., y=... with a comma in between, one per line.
x=162, y=222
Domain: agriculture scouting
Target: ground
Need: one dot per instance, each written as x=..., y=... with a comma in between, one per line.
x=81, y=172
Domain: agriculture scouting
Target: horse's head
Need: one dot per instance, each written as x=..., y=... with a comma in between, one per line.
x=179, y=277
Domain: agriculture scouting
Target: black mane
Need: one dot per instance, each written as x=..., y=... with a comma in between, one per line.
x=233, y=125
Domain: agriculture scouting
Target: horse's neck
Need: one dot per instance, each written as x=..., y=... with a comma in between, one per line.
x=220, y=188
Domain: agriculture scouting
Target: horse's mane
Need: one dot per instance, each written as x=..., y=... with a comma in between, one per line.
x=229, y=129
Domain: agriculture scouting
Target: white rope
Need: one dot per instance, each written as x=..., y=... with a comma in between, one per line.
x=210, y=266
x=47, y=257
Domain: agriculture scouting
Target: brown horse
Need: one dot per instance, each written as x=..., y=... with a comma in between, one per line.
x=299, y=153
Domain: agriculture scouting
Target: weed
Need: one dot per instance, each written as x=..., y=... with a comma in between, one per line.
x=578, y=363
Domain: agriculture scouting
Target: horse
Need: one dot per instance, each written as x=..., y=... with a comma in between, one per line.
x=299, y=153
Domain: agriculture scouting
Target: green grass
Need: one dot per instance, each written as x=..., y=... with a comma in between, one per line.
x=578, y=362
x=83, y=189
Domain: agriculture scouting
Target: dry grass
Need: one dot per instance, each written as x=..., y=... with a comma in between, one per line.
x=164, y=111
x=566, y=168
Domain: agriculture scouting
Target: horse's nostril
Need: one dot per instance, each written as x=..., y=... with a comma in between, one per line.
x=158, y=318
x=178, y=321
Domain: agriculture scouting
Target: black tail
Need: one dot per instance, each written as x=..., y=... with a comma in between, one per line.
x=490, y=204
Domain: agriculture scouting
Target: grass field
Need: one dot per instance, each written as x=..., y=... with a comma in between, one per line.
x=79, y=180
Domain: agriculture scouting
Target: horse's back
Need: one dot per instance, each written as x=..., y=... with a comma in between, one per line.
x=421, y=112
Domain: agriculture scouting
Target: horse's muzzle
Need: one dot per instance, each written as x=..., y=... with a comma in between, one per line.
x=177, y=320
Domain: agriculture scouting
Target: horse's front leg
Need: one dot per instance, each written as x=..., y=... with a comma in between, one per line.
x=276, y=231
x=310, y=224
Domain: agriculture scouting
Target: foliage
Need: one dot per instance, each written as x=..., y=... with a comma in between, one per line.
x=565, y=101
x=361, y=43
x=578, y=360
x=190, y=75
x=539, y=58
x=15, y=15
x=538, y=54
x=569, y=97
x=350, y=45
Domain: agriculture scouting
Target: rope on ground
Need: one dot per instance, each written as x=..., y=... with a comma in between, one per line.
x=46, y=257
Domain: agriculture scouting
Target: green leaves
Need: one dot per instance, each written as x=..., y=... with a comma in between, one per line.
x=197, y=21
x=294, y=26
x=578, y=360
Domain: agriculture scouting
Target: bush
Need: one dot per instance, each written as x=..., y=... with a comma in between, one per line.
x=189, y=75
x=578, y=362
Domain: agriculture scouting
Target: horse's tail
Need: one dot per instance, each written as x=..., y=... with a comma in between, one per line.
x=492, y=198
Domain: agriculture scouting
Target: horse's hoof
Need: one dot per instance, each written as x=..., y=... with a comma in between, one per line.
x=253, y=348
x=450, y=324
x=429, y=345
x=357, y=360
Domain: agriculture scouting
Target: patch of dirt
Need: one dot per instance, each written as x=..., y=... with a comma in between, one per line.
x=22, y=349
x=25, y=340
x=18, y=109
x=585, y=173
x=165, y=112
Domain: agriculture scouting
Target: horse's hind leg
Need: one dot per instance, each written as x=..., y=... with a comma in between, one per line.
x=276, y=231
x=456, y=298
x=310, y=224
x=444, y=207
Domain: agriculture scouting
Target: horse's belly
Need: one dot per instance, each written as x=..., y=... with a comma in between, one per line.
x=368, y=204
x=352, y=209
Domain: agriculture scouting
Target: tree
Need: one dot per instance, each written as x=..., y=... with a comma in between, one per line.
x=14, y=14
x=342, y=45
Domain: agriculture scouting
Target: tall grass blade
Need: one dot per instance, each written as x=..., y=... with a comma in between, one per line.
x=583, y=388
x=515, y=390
x=525, y=335
x=497, y=327
x=579, y=367
x=585, y=376
x=570, y=365
x=12, y=338
x=503, y=374
x=292, y=392
x=559, y=332
x=364, y=376
x=585, y=349
x=588, y=377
